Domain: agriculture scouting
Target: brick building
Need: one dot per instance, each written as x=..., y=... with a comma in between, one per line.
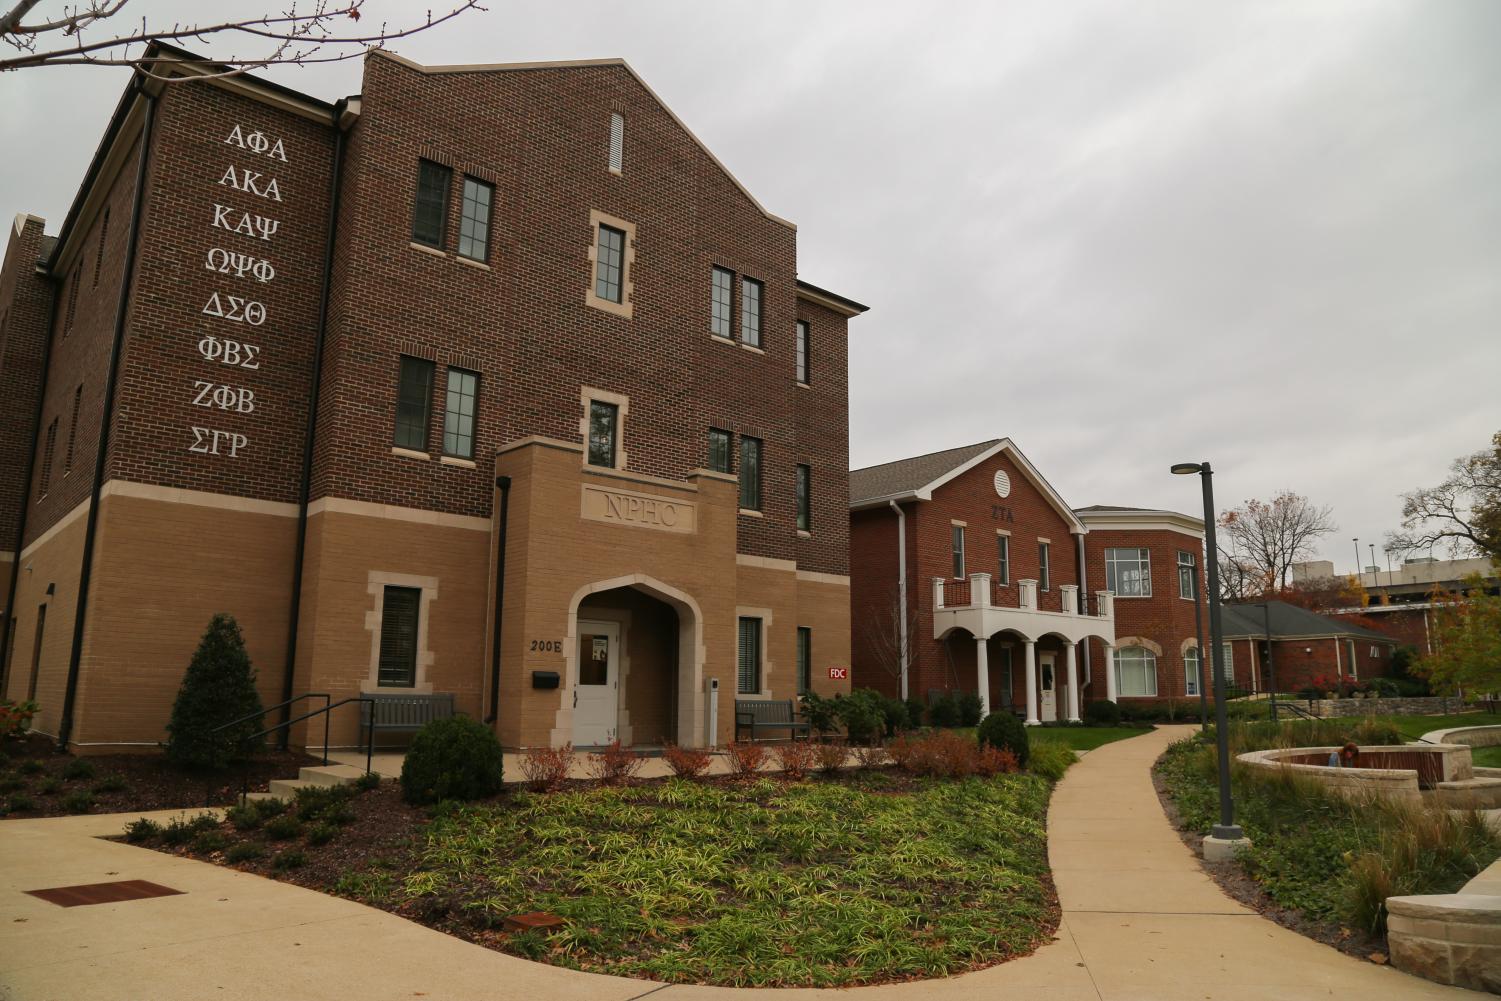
x=1153, y=563
x=1276, y=641
x=489, y=381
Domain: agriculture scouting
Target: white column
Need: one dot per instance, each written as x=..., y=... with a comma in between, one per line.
x=1071, y=659
x=937, y=592
x=1031, y=670
x=1109, y=668
x=982, y=675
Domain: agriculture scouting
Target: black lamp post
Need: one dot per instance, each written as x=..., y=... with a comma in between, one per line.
x=1226, y=830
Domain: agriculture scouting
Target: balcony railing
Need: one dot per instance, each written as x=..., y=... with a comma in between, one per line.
x=1022, y=595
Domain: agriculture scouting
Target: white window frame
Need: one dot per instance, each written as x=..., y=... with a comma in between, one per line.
x=956, y=546
x=1192, y=566
x=1142, y=658
x=1142, y=562
x=1193, y=673
x=1044, y=565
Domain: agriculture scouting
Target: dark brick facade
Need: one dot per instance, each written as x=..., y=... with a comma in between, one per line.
x=25, y=304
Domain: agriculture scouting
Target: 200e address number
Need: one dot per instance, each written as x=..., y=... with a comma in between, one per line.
x=547, y=646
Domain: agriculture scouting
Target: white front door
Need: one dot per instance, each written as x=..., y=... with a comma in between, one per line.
x=1047, y=710
x=596, y=694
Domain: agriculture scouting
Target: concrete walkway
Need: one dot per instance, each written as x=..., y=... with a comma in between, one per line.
x=1141, y=921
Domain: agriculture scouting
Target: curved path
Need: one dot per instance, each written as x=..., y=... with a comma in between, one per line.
x=1140, y=921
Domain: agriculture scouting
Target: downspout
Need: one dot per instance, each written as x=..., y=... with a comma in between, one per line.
x=36, y=431
x=901, y=588
x=503, y=483
x=294, y=616
x=86, y=571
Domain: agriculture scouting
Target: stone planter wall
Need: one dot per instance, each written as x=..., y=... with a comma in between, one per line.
x=1451, y=938
x=1431, y=706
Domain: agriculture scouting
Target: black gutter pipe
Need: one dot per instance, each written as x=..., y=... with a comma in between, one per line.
x=86, y=573
x=504, y=484
x=294, y=616
x=36, y=431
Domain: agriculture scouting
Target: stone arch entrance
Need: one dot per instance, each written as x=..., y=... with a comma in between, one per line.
x=656, y=663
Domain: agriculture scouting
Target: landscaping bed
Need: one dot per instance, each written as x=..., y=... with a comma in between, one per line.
x=38, y=780
x=850, y=877
x=1321, y=864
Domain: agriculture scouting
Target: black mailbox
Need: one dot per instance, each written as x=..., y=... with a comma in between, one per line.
x=544, y=679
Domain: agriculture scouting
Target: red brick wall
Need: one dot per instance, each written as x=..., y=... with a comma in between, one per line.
x=25, y=298
x=1408, y=627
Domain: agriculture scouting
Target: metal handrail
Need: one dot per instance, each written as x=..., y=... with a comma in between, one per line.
x=281, y=705
x=324, y=712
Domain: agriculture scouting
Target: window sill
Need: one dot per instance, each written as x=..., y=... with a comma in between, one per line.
x=722, y=340
x=409, y=453
x=803, y=533
x=426, y=249
x=749, y=513
x=801, y=385
x=471, y=262
x=454, y=460
x=751, y=348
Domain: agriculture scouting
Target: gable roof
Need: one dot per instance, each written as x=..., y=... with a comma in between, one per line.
x=916, y=478
x=1287, y=622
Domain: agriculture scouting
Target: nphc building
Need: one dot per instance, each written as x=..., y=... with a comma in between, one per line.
x=490, y=381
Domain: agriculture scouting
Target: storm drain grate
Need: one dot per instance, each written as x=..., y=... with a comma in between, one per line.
x=103, y=893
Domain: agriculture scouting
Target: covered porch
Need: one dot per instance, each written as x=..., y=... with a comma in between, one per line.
x=970, y=605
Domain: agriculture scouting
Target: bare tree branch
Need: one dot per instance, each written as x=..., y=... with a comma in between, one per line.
x=1264, y=539
x=1462, y=514
x=291, y=37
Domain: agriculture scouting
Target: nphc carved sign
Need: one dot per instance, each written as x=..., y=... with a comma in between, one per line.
x=625, y=507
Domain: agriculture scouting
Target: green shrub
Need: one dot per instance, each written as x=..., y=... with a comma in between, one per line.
x=970, y=709
x=292, y=858
x=896, y=716
x=244, y=817
x=282, y=828
x=78, y=768
x=31, y=767
x=1102, y=713
x=321, y=834
x=314, y=801
x=78, y=802
x=112, y=783
x=244, y=852
x=20, y=803
x=181, y=830
x=822, y=714
x=1051, y=759
x=863, y=713
x=139, y=831
x=219, y=686
x=454, y=758
x=944, y=712
x=50, y=787
x=367, y=782
x=341, y=813
x=208, y=842
x=917, y=711
x=1005, y=732
x=11, y=783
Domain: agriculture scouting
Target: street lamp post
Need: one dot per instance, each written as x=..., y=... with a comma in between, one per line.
x=1226, y=838
x=1199, y=642
x=1271, y=668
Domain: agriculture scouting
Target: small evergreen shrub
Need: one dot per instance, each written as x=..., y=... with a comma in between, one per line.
x=1102, y=713
x=209, y=842
x=31, y=767
x=78, y=802
x=970, y=709
x=453, y=758
x=321, y=834
x=317, y=801
x=367, y=782
x=20, y=803
x=78, y=768
x=219, y=686
x=111, y=783
x=822, y=714
x=50, y=787
x=181, y=830
x=896, y=716
x=11, y=783
x=143, y=830
x=244, y=818
x=282, y=828
x=1005, y=732
x=944, y=712
x=292, y=858
x=244, y=852
x=917, y=711
x=863, y=713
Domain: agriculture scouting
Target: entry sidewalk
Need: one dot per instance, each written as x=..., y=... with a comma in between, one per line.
x=1141, y=922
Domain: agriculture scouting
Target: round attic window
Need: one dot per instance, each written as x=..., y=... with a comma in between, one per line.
x=1002, y=483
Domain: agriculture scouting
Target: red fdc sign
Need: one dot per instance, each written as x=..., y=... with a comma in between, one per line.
x=839, y=673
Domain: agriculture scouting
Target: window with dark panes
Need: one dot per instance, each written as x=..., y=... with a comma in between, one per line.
x=958, y=547
x=45, y=482
x=1003, y=559
x=804, y=660
x=414, y=402
x=804, y=504
x=73, y=428
x=719, y=450
x=1044, y=565
x=602, y=424
x=474, y=222
x=722, y=302
x=1128, y=572
x=750, y=312
x=608, y=259
x=400, y=607
x=750, y=473
x=1188, y=582
x=430, y=215
x=802, y=351
x=748, y=676
x=458, y=413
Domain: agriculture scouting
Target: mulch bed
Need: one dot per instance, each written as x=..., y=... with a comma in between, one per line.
x=122, y=783
x=1243, y=888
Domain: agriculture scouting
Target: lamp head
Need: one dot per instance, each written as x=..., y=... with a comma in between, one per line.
x=1187, y=468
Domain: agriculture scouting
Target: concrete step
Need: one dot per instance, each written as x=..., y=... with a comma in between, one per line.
x=1482, y=793
x=286, y=788
x=330, y=775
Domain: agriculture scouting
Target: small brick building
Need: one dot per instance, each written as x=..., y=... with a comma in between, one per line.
x=1276, y=643
x=489, y=381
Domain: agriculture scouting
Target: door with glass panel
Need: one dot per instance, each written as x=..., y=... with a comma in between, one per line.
x=596, y=694
x=1047, y=709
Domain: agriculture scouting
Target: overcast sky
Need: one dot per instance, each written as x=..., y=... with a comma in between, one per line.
x=1265, y=234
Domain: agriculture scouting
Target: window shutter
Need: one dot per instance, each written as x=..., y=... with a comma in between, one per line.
x=617, y=142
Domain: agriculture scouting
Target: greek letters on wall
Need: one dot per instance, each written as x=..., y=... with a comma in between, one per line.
x=243, y=240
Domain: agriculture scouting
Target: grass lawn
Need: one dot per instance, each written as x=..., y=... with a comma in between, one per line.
x=870, y=878
x=1413, y=727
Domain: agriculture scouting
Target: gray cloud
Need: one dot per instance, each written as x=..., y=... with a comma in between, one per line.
x=1267, y=234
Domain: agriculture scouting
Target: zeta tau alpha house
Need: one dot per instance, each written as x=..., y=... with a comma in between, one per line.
x=488, y=381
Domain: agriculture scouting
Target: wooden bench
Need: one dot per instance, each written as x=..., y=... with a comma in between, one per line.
x=756, y=715
x=405, y=713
